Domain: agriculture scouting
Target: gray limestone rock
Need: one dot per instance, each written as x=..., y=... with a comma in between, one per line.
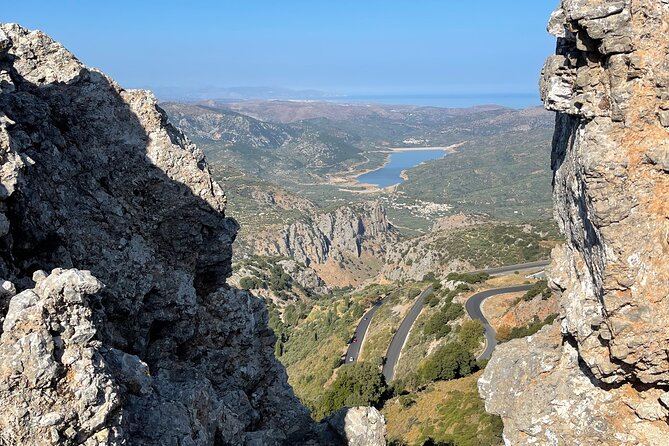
x=599, y=378
x=98, y=187
x=359, y=426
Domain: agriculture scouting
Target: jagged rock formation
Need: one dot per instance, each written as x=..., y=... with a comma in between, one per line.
x=414, y=258
x=602, y=378
x=134, y=337
x=333, y=234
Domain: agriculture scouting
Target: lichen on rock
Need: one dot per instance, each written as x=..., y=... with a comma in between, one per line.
x=600, y=378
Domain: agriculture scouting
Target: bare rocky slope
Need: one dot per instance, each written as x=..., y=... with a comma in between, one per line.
x=347, y=230
x=131, y=336
x=600, y=375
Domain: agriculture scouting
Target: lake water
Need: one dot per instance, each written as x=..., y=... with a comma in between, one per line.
x=399, y=161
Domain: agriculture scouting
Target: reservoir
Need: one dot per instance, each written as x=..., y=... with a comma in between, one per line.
x=389, y=174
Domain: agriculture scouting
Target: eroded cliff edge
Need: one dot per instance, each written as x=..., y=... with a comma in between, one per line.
x=118, y=326
x=600, y=375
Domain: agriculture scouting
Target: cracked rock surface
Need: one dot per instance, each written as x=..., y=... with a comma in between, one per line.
x=600, y=377
x=134, y=337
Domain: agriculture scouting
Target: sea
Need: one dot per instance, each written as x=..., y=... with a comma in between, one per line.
x=517, y=101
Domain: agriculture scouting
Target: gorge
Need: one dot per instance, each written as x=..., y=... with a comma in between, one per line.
x=127, y=320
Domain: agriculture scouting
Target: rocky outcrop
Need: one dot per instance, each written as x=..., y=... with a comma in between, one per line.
x=134, y=337
x=360, y=426
x=305, y=277
x=601, y=379
x=347, y=231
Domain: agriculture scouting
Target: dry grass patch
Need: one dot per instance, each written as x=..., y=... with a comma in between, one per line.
x=444, y=411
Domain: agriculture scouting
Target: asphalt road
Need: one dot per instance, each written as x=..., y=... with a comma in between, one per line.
x=398, y=341
x=473, y=307
x=400, y=337
x=360, y=332
x=511, y=268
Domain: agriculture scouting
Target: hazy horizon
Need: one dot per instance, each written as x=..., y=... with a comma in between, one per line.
x=374, y=48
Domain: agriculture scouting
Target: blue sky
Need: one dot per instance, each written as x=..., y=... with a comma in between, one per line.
x=343, y=46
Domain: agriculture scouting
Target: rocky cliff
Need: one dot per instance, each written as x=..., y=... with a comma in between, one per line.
x=600, y=375
x=132, y=335
x=335, y=234
x=336, y=244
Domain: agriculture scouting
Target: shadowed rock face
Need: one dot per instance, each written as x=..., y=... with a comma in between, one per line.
x=134, y=337
x=601, y=377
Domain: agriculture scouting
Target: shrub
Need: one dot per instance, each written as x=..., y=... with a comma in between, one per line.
x=453, y=311
x=539, y=288
x=279, y=280
x=471, y=334
x=251, y=283
x=453, y=360
x=468, y=277
x=432, y=300
x=437, y=324
x=359, y=384
x=429, y=277
x=506, y=333
x=406, y=401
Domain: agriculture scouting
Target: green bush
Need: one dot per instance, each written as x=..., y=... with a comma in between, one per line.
x=429, y=277
x=453, y=311
x=505, y=333
x=406, y=401
x=471, y=334
x=539, y=288
x=252, y=283
x=432, y=299
x=279, y=280
x=437, y=324
x=453, y=360
x=468, y=277
x=359, y=384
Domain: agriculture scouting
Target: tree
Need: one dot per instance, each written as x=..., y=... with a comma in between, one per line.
x=453, y=311
x=359, y=384
x=437, y=325
x=432, y=300
x=471, y=334
x=251, y=283
x=429, y=277
x=453, y=360
x=468, y=277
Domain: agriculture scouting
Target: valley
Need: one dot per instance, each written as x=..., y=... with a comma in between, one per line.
x=298, y=239
x=357, y=224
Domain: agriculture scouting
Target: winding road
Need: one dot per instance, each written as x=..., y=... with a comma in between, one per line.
x=354, y=348
x=401, y=335
x=473, y=307
x=501, y=270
